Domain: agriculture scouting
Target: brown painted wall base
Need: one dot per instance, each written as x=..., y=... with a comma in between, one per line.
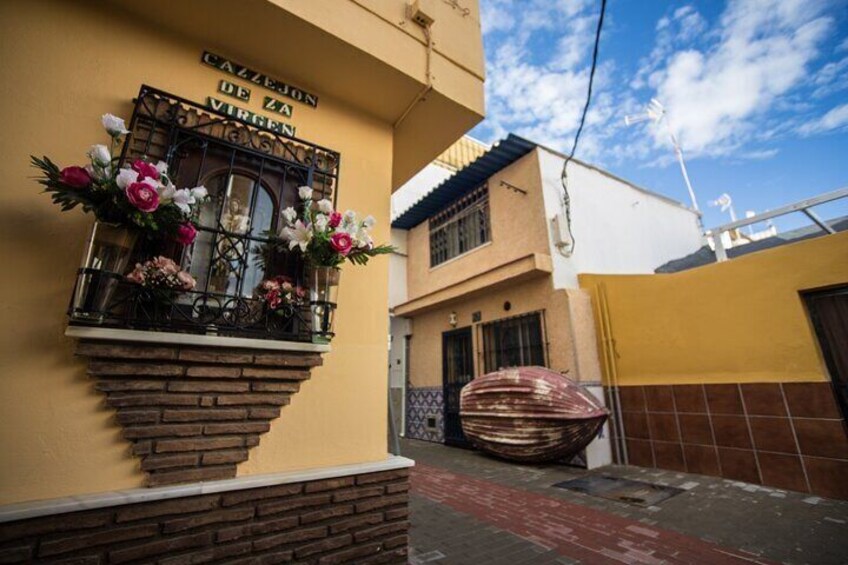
x=790, y=436
x=361, y=518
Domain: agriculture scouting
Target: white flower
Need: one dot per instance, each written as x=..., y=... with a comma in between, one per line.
x=361, y=239
x=290, y=215
x=321, y=221
x=162, y=167
x=325, y=206
x=305, y=193
x=114, y=125
x=166, y=191
x=183, y=200
x=126, y=177
x=299, y=236
x=100, y=155
x=350, y=216
x=368, y=222
x=199, y=193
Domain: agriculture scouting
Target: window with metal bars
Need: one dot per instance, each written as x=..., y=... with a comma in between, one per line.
x=251, y=174
x=514, y=342
x=460, y=227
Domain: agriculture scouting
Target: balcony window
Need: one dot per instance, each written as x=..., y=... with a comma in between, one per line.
x=251, y=174
x=514, y=342
x=461, y=227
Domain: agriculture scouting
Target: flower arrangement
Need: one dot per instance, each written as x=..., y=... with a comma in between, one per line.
x=326, y=237
x=280, y=294
x=161, y=273
x=139, y=195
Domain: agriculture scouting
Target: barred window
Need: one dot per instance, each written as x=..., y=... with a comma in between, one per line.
x=461, y=227
x=514, y=342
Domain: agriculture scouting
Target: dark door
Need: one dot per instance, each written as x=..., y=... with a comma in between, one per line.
x=458, y=370
x=829, y=313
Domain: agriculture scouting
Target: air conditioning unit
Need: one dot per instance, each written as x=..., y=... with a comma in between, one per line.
x=561, y=234
x=421, y=12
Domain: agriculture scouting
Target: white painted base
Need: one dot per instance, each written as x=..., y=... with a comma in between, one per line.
x=599, y=452
x=24, y=510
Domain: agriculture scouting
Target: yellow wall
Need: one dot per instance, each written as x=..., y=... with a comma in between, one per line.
x=738, y=321
x=65, y=64
x=516, y=231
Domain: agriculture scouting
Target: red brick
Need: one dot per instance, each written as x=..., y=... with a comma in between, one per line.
x=232, y=356
x=382, y=530
x=142, y=432
x=301, y=534
x=251, y=441
x=237, y=428
x=285, y=505
x=207, y=401
x=396, y=513
x=142, y=447
x=232, y=498
x=121, y=385
x=198, y=443
x=210, y=414
x=207, y=386
x=287, y=360
x=121, y=400
x=250, y=399
x=176, y=506
x=394, y=556
x=266, y=559
x=159, y=478
x=168, y=545
x=381, y=502
x=397, y=487
x=328, y=544
x=206, y=518
x=263, y=413
x=215, y=554
x=275, y=525
x=123, y=351
x=356, y=522
x=329, y=484
x=275, y=387
x=396, y=541
x=383, y=476
x=154, y=462
x=354, y=554
x=137, y=416
x=228, y=456
x=107, y=535
x=357, y=493
x=16, y=554
x=220, y=372
x=109, y=368
x=326, y=513
x=53, y=524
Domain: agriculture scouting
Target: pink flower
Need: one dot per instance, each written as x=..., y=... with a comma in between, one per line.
x=341, y=242
x=166, y=265
x=187, y=281
x=137, y=274
x=76, y=177
x=145, y=170
x=142, y=196
x=335, y=220
x=186, y=233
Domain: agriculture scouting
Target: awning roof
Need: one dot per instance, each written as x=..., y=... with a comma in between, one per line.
x=502, y=154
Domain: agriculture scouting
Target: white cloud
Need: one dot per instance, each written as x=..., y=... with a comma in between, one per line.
x=836, y=118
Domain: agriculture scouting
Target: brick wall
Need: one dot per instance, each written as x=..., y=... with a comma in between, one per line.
x=361, y=518
x=193, y=413
x=790, y=436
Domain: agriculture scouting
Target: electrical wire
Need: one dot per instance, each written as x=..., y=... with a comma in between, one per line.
x=566, y=198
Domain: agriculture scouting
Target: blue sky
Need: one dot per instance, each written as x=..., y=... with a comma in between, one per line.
x=756, y=91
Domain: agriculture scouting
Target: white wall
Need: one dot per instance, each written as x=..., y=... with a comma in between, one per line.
x=397, y=269
x=415, y=188
x=617, y=228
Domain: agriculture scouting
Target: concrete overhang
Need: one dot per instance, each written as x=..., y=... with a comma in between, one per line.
x=518, y=270
x=361, y=53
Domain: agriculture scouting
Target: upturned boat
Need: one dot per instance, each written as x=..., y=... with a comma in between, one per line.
x=529, y=414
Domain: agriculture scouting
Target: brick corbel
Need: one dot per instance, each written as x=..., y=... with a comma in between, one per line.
x=193, y=413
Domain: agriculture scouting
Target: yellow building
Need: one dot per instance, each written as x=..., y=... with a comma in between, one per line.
x=186, y=456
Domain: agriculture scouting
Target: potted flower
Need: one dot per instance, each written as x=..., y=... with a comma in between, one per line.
x=326, y=238
x=157, y=281
x=137, y=199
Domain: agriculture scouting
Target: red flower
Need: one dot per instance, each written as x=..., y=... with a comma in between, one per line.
x=186, y=233
x=142, y=196
x=341, y=242
x=145, y=170
x=335, y=220
x=76, y=177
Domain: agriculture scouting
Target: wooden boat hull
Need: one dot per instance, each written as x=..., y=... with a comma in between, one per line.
x=529, y=414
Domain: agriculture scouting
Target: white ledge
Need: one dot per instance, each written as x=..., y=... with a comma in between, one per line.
x=26, y=510
x=171, y=338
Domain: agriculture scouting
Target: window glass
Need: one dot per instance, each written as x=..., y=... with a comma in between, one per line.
x=514, y=342
x=461, y=227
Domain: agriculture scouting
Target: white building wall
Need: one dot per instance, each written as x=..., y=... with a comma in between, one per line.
x=617, y=228
x=417, y=187
x=397, y=269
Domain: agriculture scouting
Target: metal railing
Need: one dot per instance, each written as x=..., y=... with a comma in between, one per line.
x=803, y=206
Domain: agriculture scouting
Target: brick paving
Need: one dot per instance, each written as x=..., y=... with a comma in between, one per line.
x=468, y=508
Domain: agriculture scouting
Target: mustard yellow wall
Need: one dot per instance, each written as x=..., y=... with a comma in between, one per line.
x=517, y=229
x=738, y=321
x=65, y=64
x=425, y=359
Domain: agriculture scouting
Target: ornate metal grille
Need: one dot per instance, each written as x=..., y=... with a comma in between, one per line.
x=514, y=342
x=252, y=174
x=461, y=227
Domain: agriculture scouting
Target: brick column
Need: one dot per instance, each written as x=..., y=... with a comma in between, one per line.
x=193, y=413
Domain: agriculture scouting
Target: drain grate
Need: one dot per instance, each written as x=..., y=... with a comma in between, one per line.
x=621, y=490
